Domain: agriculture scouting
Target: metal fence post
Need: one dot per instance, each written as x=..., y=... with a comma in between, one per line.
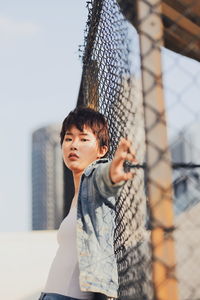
x=159, y=173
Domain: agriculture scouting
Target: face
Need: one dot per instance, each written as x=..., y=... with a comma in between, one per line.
x=80, y=148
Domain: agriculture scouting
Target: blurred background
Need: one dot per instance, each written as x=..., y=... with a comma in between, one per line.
x=39, y=82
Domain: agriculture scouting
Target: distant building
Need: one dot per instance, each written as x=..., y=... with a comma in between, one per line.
x=186, y=149
x=47, y=179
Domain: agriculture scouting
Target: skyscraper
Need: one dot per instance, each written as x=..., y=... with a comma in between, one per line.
x=47, y=178
x=186, y=149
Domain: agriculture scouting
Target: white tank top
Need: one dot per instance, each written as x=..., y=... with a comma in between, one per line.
x=63, y=276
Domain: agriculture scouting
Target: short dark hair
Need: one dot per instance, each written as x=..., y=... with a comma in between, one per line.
x=81, y=116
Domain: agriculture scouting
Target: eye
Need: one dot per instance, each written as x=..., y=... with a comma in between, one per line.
x=84, y=140
x=68, y=139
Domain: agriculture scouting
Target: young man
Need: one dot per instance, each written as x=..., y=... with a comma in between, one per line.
x=85, y=263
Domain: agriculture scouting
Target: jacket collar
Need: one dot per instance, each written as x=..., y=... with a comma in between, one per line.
x=89, y=169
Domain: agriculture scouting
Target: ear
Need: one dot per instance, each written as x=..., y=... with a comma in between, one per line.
x=102, y=151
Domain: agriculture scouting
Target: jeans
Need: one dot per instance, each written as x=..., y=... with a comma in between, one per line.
x=55, y=296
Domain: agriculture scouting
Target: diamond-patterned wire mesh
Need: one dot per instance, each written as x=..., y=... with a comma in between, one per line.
x=181, y=77
x=111, y=83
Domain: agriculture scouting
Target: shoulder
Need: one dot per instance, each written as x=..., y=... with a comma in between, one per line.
x=95, y=164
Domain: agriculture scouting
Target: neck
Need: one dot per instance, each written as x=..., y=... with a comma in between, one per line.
x=77, y=178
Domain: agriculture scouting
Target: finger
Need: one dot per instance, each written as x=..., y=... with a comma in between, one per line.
x=125, y=151
x=132, y=151
x=130, y=157
x=124, y=144
x=120, y=157
x=129, y=175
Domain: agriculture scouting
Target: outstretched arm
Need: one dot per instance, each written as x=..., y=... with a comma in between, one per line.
x=124, y=152
x=110, y=177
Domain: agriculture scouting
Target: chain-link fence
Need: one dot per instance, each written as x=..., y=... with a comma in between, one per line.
x=181, y=78
x=141, y=70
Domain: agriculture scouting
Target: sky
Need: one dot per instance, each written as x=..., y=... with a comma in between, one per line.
x=39, y=81
x=40, y=72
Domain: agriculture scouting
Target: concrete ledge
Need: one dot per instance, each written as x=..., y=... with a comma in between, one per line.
x=25, y=259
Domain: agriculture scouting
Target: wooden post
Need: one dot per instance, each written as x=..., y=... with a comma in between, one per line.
x=159, y=173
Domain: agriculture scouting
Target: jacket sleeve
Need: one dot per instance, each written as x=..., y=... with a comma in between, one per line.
x=103, y=182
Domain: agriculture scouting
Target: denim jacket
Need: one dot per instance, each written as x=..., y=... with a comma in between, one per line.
x=95, y=230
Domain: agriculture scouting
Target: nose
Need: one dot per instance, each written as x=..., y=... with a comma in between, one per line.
x=74, y=144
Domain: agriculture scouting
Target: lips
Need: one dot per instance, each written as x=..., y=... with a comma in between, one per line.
x=73, y=155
